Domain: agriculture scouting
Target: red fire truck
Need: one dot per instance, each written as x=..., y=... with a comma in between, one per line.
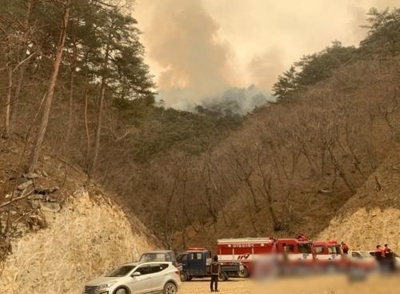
x=317, y=256
x=327, y=250
x=250, y=250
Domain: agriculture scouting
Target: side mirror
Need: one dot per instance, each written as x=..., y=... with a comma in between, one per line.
x=136, y=274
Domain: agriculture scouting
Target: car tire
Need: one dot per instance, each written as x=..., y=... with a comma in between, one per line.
x=184, y=277
x=244, y=273
x=170, y=288
x=121, y=290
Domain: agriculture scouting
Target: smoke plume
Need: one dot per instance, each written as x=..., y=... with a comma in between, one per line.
x=201, y=48
x=183, y=41
x=264, y=69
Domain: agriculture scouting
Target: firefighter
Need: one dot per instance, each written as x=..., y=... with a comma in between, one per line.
x=301, y=237
x=389, y=258
x=345, y=248
x=285, y=253
x=215, y=272
x=379, y=256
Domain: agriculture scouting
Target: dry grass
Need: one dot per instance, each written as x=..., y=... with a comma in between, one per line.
x=372, y=216
x=86, y=239
x=365, y=229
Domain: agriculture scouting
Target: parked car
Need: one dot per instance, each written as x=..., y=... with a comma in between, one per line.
x=136, y=278
x=360, y=254
x=160, y=255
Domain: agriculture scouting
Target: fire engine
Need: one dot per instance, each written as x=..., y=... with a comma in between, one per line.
x=296, y=253
x=327, y=250
x=250, y=250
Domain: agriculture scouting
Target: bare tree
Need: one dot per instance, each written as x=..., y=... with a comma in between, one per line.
x=66, y=7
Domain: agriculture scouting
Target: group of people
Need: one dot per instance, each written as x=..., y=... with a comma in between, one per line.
x=385, y=257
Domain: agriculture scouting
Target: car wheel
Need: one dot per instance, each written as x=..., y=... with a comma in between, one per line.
x=121, y=291
x=184, y=277
x=244, y=273
x=170, y=288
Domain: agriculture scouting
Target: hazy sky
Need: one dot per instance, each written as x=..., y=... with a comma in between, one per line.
x=198, y=48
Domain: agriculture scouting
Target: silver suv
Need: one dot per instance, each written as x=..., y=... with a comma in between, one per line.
x=135, y=278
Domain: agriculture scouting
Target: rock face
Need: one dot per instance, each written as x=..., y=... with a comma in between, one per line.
x=365, y=229
x=372, y=215
x=85, y=240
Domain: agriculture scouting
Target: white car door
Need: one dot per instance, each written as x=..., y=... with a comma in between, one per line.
x=142, y=283
x=158, y=276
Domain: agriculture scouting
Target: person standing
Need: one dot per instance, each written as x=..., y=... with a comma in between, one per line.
x=345, y=248
x=215, y=269
x=379, y=257
x=390, y=260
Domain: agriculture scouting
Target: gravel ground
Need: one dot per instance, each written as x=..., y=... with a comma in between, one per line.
x=320, y=285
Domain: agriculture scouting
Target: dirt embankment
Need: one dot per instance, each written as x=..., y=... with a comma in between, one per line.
x=87, y=238
x=372, y=216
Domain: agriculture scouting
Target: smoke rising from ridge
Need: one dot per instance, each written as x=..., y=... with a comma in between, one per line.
x=198, y=49
x=183, y=40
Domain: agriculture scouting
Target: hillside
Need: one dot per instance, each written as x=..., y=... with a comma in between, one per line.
x=48, y=234
x=372, y=215
x=296, y=163
x=80, y=112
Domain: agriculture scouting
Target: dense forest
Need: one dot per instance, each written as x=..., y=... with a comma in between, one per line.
x=74, y=82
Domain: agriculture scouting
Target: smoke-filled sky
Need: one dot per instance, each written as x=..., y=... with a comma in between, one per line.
x=199, y=48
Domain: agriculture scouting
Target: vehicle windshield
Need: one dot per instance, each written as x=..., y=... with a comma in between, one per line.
x=121, y=271
x=304, y=248
x=148, y=257
x=364, y=254
x=334, y=249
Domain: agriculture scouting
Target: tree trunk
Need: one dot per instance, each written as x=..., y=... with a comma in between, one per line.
x=87, y=134
x=8, y=102
x=98, y=128
x=100, y=115
x=70, y=104
x=20, y=81
x=50, y=92
x=18, y=87
x=71, y=87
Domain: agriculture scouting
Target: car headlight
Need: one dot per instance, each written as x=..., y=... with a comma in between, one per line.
x=108, y=285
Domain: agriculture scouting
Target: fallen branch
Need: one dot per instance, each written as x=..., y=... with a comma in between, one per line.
x=25, y=214
x=23, y=195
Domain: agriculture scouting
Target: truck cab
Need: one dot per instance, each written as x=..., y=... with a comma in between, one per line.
x=327, y=250
x=195, y=263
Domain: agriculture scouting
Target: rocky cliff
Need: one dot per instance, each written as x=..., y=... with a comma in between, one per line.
x=88, y=237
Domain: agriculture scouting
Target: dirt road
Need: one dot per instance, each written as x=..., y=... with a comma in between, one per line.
x=320, y=285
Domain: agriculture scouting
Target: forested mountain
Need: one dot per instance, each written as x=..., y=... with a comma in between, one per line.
x=76, y=86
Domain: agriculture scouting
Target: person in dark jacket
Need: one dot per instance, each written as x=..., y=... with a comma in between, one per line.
x=389, y=257
x=215, y=269
x=380, y=257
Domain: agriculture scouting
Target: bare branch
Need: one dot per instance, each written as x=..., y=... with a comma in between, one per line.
x=23, y=61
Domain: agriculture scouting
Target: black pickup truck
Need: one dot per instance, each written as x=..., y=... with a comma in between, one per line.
x=196, y=262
